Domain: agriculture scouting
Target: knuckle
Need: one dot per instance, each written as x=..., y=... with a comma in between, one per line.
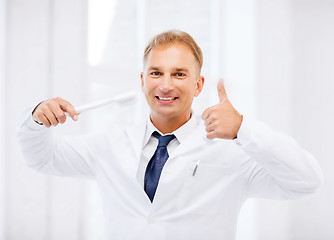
x=62, y=118
x=210, y=109
x=48, y=104
x=65, y=103
x=54, y=122
x=44, y=107
x=213, y=116
x=39, y=114
x=214, y=107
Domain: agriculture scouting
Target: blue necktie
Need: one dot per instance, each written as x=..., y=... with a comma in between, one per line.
x=157, y=162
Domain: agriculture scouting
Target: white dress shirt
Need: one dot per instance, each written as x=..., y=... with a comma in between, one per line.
x=150, y=144
x=203, y=183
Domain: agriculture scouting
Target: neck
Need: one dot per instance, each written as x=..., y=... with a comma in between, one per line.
x=169, y=125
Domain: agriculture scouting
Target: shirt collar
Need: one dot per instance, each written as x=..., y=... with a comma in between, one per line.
x=181, y=133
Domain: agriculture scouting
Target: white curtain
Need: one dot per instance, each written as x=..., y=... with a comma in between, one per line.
x=276, y=57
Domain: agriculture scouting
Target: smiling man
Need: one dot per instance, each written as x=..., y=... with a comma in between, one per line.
x=177, y=175
x=170, y=81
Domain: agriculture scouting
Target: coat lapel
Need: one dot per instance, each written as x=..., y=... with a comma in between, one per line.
x=136, y=137
x=196, y=139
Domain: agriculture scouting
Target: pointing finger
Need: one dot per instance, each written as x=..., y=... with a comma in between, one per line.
x=68, y=107
x=205, y=114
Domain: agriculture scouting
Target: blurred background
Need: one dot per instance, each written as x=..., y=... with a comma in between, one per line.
x=277, y=58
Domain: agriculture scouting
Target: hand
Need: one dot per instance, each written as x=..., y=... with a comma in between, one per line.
x=52, y=112
x=222, y=120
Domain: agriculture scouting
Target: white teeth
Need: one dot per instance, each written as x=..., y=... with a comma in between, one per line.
x=166, y=98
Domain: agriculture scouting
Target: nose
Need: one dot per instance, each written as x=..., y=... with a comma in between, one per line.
x=166, y=84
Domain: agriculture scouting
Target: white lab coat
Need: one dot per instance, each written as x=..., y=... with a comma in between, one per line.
x=189, y=204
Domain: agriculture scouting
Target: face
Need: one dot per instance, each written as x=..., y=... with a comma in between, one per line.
x=170, y=81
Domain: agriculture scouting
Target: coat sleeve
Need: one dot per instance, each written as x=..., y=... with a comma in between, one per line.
x=47, y=153
x=278, y=167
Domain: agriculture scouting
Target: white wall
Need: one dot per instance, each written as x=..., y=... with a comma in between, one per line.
x=276, y=57
x=313, y=111
x=273, y=94
x=46, y=57
x=294, y=94
x=2, y=110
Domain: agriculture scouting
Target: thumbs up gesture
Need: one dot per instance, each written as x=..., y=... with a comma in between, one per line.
x=222, y=120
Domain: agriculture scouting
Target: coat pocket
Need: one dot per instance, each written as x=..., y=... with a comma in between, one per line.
x=204, y=188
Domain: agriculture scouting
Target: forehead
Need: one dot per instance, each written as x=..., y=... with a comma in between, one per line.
x=176, y=54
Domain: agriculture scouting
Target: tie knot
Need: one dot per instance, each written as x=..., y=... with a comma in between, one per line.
x=163, y=140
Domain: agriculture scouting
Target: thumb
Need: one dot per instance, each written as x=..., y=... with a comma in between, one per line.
x=221, y=90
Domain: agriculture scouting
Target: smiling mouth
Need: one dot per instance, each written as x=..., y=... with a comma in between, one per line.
x=166, y=98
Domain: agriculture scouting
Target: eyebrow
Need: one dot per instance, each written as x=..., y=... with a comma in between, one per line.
x=153, y=68
x=182, y=69
x=176, y=69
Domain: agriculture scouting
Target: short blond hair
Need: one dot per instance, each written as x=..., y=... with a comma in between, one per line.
x=175, y=36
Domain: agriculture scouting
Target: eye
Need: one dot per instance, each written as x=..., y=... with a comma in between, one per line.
x=180, y=75
x=155, y=74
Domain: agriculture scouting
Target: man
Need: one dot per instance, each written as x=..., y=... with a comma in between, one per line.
x=174, y=176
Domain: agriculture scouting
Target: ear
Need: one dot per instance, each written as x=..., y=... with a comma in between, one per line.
x=199, y=85
x=142, y=79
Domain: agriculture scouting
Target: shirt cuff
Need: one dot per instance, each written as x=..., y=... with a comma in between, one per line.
x=25, y=120
x=244, y=134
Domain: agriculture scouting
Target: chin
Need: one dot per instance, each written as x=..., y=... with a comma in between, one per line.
x=167, y=113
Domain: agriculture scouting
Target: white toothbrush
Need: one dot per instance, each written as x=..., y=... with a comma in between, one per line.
x=123, y=98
